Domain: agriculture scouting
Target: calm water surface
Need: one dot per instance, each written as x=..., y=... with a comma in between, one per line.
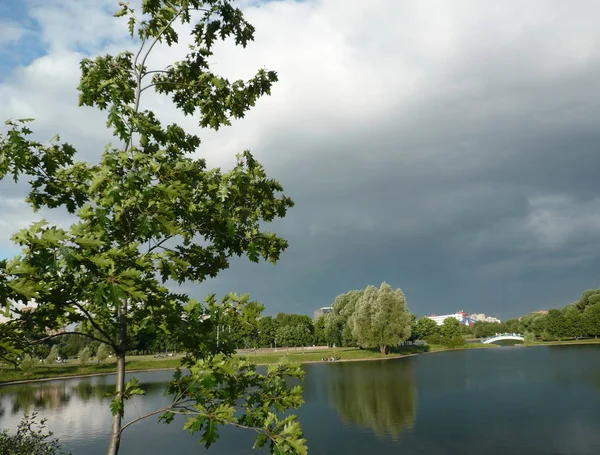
x=517, y=400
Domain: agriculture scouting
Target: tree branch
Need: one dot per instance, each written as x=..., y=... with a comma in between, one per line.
x=150, y=414
x=92, y=337
x=159, y=244
x=92, y=321
x=160, y=34
x=154, y=71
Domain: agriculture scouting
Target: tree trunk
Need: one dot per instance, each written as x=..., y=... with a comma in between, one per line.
x=383, y=349
x=115, y=434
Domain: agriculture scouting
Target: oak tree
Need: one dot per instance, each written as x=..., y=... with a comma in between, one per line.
x=150, y=215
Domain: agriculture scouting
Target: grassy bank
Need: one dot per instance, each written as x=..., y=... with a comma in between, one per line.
x=74, y=368
x=565, y=342
x=151, y=363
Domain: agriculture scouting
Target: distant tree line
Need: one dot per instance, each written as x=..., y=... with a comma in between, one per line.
x=367, y=318
x=580, y=319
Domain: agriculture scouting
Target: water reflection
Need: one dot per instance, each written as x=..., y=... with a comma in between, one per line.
x=25, y=398
x=380, y=396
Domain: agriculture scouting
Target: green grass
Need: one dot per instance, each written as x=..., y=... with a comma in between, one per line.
x=149, y=362
x=74, y=368
x=580, y=341
x=439, y=348
x=342, y=353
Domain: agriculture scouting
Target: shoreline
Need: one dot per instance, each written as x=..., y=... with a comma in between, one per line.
x=367, y=359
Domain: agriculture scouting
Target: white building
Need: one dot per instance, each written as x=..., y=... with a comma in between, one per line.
x=439, y=320
x=483, y=318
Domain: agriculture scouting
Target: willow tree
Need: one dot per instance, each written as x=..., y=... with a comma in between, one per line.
x=150, y=215
x=381, y=318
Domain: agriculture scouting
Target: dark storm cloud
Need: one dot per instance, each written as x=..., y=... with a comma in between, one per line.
x=449, y=148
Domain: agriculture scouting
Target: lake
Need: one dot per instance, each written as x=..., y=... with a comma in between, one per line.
x=517, y=400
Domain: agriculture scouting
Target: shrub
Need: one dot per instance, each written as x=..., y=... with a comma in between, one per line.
x=84, y=355
x=102, y=353
x=27, y=363
x=53, y=355
x=30, y=439
x=546, y=336
x=453, y=341
x=529, y=338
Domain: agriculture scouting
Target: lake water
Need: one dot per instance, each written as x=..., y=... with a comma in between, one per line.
x=517, y=400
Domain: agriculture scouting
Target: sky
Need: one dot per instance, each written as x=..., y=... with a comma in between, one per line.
x=447, y=148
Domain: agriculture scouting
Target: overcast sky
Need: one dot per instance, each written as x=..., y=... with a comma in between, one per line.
x=450, y=148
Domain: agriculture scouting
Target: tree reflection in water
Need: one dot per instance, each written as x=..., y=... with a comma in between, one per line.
x=26, y=398
x=379, y=395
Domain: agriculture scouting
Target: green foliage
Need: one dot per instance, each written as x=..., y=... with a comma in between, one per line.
x=31, y=438
x=217, y=384
x=591, y=319
x=529, y=338
x=266, y=332
x=338, y=330
x=556, y=325
x=381, y=318
x=450, y=334
x=84, y=355
x=102, y=353
x=320, y=336
x=53, y=355
x=149, y=214
x=588, y=298
x=547, y=336
x=483, y=329
x=294, y=330
x=423, y=328
x=12, y=342
x=27, y=363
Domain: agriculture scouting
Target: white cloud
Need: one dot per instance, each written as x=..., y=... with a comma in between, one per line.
x=10, y=32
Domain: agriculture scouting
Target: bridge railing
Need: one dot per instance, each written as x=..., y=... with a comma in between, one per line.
x=500, y=335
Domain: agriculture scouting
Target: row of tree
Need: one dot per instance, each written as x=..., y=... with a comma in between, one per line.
x=576, y=320
x=368, y=318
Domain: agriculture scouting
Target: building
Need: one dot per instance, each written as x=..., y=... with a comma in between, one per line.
x=481, y=317
x=460, y=316
x=321, y=311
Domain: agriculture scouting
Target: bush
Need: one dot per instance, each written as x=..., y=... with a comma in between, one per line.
x=27, y=364
x=29, y=440
x=53, y=355
x=84, y=355
x=546, y=336
x=446, y=341
x=434, y=339
x=529, y=338
x=453, y=341
x=102, y=353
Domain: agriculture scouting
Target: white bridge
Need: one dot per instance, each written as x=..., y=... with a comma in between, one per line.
x=503, y=336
